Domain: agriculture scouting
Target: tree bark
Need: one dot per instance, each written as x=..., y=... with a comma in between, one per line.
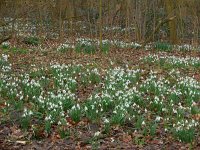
x=169, y=5
x=100, y=24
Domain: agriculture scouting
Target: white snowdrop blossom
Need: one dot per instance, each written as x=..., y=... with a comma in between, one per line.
x=97, y=133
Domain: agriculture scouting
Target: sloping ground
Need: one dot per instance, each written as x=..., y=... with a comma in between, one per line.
x=119, y=137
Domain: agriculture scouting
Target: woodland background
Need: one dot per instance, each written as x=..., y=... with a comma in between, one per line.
x=143, y=21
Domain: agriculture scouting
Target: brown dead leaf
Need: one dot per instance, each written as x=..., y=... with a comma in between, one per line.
x=157, y=142
x=197, y=77
x=116, y=128
x=16, y=133
x=126, y=138
x=54, y=137
x=137, y=135
x=71, y=122
x=196, y=117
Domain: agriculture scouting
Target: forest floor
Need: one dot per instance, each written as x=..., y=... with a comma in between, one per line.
x=154, y=115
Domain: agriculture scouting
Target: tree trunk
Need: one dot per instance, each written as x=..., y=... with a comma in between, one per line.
x=169, y=4
x=100, y=24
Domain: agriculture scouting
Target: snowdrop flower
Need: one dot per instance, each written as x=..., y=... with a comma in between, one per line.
x=143, y=122
x=73, y=107
x=174, y=111
x=164, y=109
x=5, y=57
x=30, y=113
x=78, y=106
x=158, y=118
x=86, y=108
x=106, y=120
x=7, y=104
x=97, y=133
x=59, y=123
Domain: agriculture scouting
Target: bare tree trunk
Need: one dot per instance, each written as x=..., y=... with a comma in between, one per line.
x=127, y=19
x=154, y=21
x=138, y=21
x=60, y=21
x=144, y=21
x=170, y=9
x=100, y=24
x=180, y=17
x=40, y=20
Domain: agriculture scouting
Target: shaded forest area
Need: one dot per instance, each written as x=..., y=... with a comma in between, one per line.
x=142, y=21
x=99, y=74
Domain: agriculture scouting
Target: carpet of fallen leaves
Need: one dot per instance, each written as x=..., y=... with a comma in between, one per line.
x=12, y=137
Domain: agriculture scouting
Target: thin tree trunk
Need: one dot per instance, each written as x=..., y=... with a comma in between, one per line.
x=60, y=21
x=100, y=24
